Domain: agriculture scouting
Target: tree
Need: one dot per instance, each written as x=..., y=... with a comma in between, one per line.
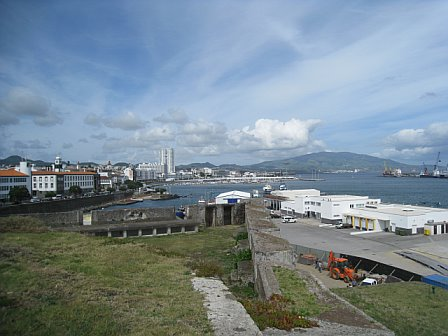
x=133, y=185
x=18, y=194
x=75, y=190
x=50, y=194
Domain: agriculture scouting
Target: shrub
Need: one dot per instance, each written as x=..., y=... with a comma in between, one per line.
x=206, y=268
x=243, y=255
x=241, y=236
x=21, y=224
x=275, y=313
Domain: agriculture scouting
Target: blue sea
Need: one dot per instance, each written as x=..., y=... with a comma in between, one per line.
x=403, y=190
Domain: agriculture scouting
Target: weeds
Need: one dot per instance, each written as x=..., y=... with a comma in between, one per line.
x=276, y=313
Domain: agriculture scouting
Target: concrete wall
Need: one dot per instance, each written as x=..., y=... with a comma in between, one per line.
x=62, y=205
x=133, y=215
x=57, y=219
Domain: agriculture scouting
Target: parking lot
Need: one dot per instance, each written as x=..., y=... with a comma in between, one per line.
x=379, y=246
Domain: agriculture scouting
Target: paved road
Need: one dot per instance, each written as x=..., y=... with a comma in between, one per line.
x=379, y=246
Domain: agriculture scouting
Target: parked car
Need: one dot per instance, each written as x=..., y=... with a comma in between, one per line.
x=368, y=282
x=288, y=219
x=35, y=200
x=343, y=226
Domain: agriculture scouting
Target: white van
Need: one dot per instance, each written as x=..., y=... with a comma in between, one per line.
x=288, y=219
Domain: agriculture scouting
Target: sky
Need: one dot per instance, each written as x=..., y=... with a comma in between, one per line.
x=223, y=81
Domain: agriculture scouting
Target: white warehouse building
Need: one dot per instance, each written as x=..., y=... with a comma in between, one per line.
x=360, y=212
x=232, y=197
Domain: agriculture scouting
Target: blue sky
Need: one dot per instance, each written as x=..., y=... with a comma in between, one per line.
x=223, y=81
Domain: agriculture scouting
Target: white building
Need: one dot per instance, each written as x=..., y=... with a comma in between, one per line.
x=232, y=197
x=149, y=171
x=398, y=218
x=10, y=178
x=328, y=209
x=167, y=159
x=360, y=212
x=60, y=182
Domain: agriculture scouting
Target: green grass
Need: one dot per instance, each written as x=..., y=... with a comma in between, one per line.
x=405, y=308
x=294, y=289
x=69, y=284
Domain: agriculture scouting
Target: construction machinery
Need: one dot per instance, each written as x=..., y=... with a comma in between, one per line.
x=339, y=268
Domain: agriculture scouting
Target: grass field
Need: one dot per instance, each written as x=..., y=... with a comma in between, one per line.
x=406, y=308
x=70, y=284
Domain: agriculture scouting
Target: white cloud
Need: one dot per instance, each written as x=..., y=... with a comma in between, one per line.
x=415, y=143
x=23, y=103
x=127, y=121
x=275, y=135
x=172, y=117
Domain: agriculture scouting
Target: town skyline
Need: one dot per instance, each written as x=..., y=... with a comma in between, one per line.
x=240, y=82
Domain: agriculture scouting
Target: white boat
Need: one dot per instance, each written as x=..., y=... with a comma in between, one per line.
x=267, y=189
x=282, y=187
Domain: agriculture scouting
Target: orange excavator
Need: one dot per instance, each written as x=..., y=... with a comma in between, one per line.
x=340, y=269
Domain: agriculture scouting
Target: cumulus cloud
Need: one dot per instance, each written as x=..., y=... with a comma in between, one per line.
x=412, y=143
x=23, y=103
x=434, y=135
x=83, y=140
x=67, y=145
x=140, y=139
x=269, y=134
x=127, y=121
x=172, y=117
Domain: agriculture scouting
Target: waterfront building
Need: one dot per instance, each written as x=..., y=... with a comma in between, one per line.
x=60, y=182
x=359, y=212
x=232, y=197
x=149, y=171
x=167, y=160
x=10, y=178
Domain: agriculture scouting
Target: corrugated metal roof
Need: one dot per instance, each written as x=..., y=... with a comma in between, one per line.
x=436, y=280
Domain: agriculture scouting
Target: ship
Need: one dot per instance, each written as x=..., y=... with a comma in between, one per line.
x=390, y=172
x=435, y=173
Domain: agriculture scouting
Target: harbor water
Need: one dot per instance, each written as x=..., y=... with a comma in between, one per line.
x=402, y=190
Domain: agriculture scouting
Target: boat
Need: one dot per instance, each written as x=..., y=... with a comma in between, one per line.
x=267, y=189
x=282, y=187
x=389, y=172
x=436, y=173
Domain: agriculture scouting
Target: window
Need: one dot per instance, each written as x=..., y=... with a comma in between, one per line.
x=46, y=185
x=40, y=185
x=34, y=179
x=52, y=185
x=35, y=185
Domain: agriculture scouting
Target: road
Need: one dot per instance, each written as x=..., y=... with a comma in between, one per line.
x=379, y=246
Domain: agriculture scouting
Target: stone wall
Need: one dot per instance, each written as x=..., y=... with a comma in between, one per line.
x=222, y=214
x=133, y=215
x=63, y=205
x=57, y=219
x=267, y=250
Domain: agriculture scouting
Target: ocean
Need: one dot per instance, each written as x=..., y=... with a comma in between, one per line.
x=403, y=190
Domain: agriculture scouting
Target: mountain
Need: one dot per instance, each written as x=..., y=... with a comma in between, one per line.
x=331, y=162
x=14, y=160
x=196, y=165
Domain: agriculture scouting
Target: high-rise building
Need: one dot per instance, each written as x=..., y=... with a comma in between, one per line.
x=167, y=159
